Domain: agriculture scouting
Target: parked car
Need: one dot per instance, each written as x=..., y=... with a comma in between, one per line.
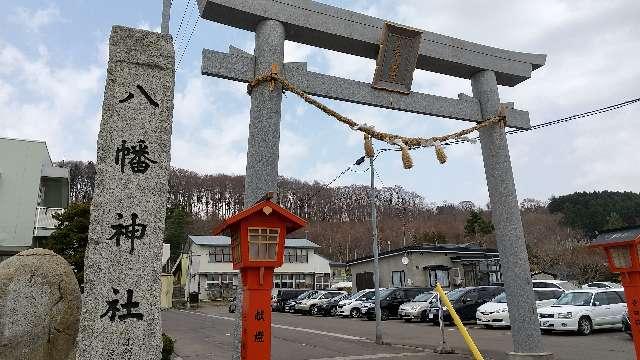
x=626, y=324
x=351, y=306
x=496, y=314
x=281, y=297
x=583, y=311
x=466, y=302
x=290, y=306
x=553, y=284
x=308, y=305
x=418, y=308
x=602, y=285
x=390, y=301
x=330, y=307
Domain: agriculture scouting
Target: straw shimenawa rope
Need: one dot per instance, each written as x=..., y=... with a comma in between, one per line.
x=403, y=142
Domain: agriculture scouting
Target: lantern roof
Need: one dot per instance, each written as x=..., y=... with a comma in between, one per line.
x=612, y=237
x=293, y=222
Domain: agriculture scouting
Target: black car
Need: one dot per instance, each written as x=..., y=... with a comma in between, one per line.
x=330, y=307
x=290, y=306
x=390, y=301
x=466, y=302
x=626, y=324
x=282, y=296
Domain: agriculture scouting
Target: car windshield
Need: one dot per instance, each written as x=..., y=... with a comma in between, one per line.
x=455, y=294
x=357, y=295
x=500, y=299
x=372, y=295
x=306, y=295
x=423, y=297
x=575, y=298
x=316, y=296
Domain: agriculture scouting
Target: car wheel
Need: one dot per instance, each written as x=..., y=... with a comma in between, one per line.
x=355, y=313
x=384, y=315
x=424, y=317
x=333, y=311
x=313, y=310
x=585, y=326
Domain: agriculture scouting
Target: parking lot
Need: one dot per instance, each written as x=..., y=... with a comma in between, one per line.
x=205, y=333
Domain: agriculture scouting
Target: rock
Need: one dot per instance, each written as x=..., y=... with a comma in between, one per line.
x=39, y=307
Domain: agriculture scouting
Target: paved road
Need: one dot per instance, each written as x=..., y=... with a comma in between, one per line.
x=206, y=334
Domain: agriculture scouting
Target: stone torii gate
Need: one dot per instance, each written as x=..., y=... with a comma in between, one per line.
x=399, y=51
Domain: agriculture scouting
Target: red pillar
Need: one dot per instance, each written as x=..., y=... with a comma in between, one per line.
x=631, y=283
x=256, y=313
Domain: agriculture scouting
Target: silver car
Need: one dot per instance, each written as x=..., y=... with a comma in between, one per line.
x=418, y=308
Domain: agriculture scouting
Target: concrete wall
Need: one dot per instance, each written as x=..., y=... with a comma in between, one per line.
x=413, y=270
x=21, y=165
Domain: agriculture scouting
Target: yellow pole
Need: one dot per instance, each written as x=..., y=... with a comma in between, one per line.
x=465, y=334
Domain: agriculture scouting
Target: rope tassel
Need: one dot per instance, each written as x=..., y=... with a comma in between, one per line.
x=368, y=146
x=407, y=162
x=440, y=154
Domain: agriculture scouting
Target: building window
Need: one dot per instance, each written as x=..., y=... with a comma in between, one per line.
x=221, y=281
x=439, y=275
x=322, y=281
x=220, y=254
x=235, y=245
x=263, y=244
x=296, y=256
x=397, y=278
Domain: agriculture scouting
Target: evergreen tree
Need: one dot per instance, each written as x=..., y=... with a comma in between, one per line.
x=70, y=238
x=476, y=225
x=175, y=232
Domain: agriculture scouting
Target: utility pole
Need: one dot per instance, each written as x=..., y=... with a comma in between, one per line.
x=376, y=268
x=166, y=16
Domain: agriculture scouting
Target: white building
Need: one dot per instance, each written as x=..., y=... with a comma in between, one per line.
x=31, y=191
x=212, y=275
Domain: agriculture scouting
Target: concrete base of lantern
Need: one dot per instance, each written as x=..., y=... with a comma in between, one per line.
x=530, y=356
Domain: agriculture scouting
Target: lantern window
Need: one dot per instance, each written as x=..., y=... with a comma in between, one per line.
x=263, y=244
x=235, y=249
x=620, y=256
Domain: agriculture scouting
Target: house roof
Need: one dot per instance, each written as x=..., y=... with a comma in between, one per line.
x=468, y=250
x=226, y=241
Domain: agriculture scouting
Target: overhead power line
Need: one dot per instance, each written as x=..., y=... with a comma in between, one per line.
x=184, y=13
x=188, y=42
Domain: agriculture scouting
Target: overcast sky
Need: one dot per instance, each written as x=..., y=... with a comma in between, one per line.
x=53, y=64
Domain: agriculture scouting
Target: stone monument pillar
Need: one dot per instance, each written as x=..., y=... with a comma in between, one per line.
x=506, y=217
x=121, y=303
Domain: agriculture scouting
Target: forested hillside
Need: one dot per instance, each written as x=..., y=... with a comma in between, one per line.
x=339, y=217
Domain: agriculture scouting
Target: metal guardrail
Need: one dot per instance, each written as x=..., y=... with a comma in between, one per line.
x=44, y=218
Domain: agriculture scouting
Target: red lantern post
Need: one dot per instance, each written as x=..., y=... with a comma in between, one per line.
x=621, y=247
x=257, y=248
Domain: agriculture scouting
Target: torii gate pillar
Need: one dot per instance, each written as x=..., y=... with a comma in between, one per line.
x=506, y=217
x=264, y=128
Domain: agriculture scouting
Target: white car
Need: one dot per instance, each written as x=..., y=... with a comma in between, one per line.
x=352, y=306
x=553, y=284
x=496, y=313
x=602, y=285
x=584, y=310
x=306, y=306
x=418, y=308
